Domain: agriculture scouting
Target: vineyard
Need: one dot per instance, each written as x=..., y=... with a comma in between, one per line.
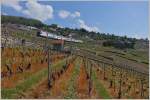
x=79, y=74
x=42, y=67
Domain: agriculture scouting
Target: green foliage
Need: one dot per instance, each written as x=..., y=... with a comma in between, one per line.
x=13, y=92
x=59, y=65
x=99, y=87
x=71, y=90
x=53, y=26
x=119, y=44
x=21, y=20
x=27, y=83
x=78, y=33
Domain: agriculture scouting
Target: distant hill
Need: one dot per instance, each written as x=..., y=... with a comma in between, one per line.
x=104, y=39
x=21, y=20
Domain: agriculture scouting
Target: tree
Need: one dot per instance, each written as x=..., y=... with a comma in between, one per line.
x=21, y=20
x=54, y=26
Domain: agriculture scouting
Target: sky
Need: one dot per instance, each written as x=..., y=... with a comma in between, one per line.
x=128, y=18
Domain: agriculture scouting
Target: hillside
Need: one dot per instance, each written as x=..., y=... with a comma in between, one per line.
x=89, y=69
x=104, y=39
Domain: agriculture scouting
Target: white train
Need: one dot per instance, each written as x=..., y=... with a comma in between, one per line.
x=54, y=36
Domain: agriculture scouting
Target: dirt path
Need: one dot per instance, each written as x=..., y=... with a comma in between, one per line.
x=105, y=83
x=72, y=83
x=58, y=87
x=83, y=85
x=10, y=82
x=36, y=91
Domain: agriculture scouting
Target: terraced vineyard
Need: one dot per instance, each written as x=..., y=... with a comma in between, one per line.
x=76, y=75
x=43, y=61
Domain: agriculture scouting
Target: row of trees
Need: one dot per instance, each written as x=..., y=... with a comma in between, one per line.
x=93, y=35
x=119, y=44
x=21, y=20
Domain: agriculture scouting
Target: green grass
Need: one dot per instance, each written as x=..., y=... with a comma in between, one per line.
x=59, y=66
x=131, y=54
x=142, y=56
x=138, y=59
x=27, y=84
x=99, y=87
x=71, y=90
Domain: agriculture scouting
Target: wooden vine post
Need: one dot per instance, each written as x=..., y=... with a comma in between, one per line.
x=48, y=57
x=86, y=67
x=66, y=63
x=23, y=55
x=90, y=80
x=114, y=87
x=134, y=83
x=49, y=80
x=6, y=37
x=142, y=84
x=112, y=73
x=84, y=60
x=120, y=83
x=104, y=71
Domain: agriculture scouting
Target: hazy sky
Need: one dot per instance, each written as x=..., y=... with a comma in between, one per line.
x=120, y=18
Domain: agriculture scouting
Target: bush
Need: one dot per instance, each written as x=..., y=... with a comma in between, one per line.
x=119, y=44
